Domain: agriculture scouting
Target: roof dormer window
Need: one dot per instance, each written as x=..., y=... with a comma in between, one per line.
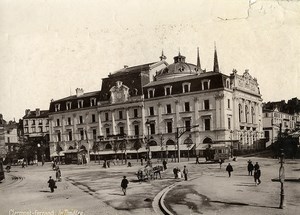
x=168, y=90
x=205, y=84
x=151, y=93
x=186, y=87
x=93, y=101
x=80, y=103
x=227, y=83
x=68, y=105
x=57, y=107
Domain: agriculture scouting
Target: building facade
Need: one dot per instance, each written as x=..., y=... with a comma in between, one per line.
x=158, y=109
x=273, y=119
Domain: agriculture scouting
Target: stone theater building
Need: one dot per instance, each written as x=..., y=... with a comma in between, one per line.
x=158, y=109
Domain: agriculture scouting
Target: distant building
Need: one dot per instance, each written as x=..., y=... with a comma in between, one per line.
x=9, y=139
x=272, y=119
x=153, y=104
x=36, y=127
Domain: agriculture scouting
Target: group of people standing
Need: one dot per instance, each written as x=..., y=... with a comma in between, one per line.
x=178, y=174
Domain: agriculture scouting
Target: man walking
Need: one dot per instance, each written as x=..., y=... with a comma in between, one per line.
x=51, y=183
x=165, y=164
x=197, y=160
x=256, y=166
x=257, y=174
x=250, y=167
x=185, y=172
x=124, y=185
x=229, y=169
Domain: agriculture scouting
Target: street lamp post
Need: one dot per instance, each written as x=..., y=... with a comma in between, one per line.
x=161, y=147
x=281, y=178
x=148, y=146
x=179, y=132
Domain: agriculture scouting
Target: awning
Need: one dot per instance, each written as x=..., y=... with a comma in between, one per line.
x=54, y=154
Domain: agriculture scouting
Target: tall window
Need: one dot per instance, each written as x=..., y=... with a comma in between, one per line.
x=68, y=105
x=80, y=120
x=169, y=127
x=240, y=112
x=229, y=123
x=135, y=112
x=70, y=135
x=187, y=106
x=80, y=104
x=40, y=128
x=151, y=111
x=150, y=93
x=57, y=107
x=107, y=131
x=57, y=122
x=168, y=90
x=186, y=87
x=81, y=134
x=58, y=136
x=152, y=128
x=246, y=113
x=205, y=85
x=93, y=118
x=93, y=102
x=253, y=115
x=121, y=130
x=207, y=124
x=33, y=122
x=228, y=103
x=136, y=130
x=106, y=116
x=94, y=134
x=69, y=121
x=206, y=104
x=120, y=114
x=187, y=125
x=169, y=108
x=26, y=122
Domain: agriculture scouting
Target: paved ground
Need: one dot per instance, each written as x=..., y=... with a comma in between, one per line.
x=93, y=190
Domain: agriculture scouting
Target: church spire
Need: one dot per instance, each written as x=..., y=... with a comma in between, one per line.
x=162, y=57
x=198, y=59
x=216, y=64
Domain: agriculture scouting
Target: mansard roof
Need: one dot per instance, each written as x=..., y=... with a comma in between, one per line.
x=32, y=114
x=86, y=97
x=217, y=80
x=134, y=78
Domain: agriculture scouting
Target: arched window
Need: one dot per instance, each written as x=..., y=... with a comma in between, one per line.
x=71, y=147
x=170, y=142
x=207, y=140
x=83, y=147
x=108, y=146
x=152, y=143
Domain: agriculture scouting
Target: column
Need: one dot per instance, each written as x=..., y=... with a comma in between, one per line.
x=113, y=122
x=128, y=122
x=99, y=123
x=159, y=123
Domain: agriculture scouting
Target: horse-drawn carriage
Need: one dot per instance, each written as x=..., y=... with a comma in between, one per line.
x=149, y=173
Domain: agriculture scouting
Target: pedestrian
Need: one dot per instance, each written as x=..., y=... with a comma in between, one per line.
x=250, y=167
x=229, y=169
x=197, y=160
x=58, y=174
x=185, y=172
x=179, y=175
x=51, y=183
x=175, y=171
x=220, y=162
x=172, y=157
x=256, y=166
x=23, y=164
x=165, y=164
x=257, y=174
x=108, y=164
x=141, y=161
x=124, y=184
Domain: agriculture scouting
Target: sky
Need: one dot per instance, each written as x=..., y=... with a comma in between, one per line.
x=48, y=48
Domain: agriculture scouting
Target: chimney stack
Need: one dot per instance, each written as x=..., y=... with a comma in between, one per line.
x=37, y=112
x=27, y=111
x=79, y=92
